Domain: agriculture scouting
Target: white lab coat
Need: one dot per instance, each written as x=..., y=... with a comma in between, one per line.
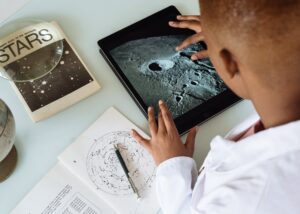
x=259, y=174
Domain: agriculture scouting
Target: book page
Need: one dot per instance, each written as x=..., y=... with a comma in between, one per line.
x=93, y=159
x=60, y=192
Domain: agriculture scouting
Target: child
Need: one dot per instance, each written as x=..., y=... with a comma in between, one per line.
x=255, y=47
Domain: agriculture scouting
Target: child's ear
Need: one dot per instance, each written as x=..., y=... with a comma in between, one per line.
x=230, y=64
x=232, y=75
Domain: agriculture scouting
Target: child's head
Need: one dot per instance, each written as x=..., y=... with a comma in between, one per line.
x=254, y=43
x=255, y=47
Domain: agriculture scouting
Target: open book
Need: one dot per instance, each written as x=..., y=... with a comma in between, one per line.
x=44, y=48
x=60, y=192
x=91, y=162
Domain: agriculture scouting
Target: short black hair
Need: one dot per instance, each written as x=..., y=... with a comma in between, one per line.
x=266, y=19
x=265, y=33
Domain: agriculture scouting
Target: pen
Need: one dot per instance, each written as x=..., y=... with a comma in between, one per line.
x=124, y=167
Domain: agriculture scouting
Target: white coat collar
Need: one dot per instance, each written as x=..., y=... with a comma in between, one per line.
x=227, y=155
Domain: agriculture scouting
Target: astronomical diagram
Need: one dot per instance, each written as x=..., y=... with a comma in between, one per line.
x=105, y=171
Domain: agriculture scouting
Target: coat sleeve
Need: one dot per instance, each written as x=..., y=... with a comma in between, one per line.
x=175, y=179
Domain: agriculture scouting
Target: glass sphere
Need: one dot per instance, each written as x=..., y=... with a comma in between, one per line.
x=7, y=130
x=35, y=64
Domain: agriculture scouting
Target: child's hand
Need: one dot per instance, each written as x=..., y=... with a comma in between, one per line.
x=165, y=142
x=192, y=23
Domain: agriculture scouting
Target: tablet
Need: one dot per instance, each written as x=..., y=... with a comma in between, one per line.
x=144, y=58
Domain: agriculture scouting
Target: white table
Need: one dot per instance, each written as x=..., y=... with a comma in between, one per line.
x=84, y=22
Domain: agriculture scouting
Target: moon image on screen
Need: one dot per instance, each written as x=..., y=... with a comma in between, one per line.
x=157, y=71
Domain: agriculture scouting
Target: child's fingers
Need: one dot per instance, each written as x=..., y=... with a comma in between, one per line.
x=190, y=140
x=188, y=18
x=167, y=117
x=161, y=124
x=190, y=40
x=144, y=142
x=200, y=55
x=151, y=121
x=192, y=25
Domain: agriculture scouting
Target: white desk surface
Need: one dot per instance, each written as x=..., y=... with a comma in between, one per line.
x=84, y=22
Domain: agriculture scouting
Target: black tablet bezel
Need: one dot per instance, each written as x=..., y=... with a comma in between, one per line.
x=193, y=117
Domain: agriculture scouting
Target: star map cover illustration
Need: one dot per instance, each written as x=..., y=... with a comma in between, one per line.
x=67, y=83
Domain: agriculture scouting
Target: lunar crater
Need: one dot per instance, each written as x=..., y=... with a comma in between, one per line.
x=156, y=71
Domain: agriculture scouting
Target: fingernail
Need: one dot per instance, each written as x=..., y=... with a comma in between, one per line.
x=160, y=102
x=177, y=48
x=171, y=23
x=149, y=108
x=178, y=17
x=193, y=57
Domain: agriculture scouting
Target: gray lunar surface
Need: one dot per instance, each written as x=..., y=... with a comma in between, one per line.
x=157, y=71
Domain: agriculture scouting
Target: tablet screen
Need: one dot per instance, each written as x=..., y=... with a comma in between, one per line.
x=144, y=58
x=157, y=71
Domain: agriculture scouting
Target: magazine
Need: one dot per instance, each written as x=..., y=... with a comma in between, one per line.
x=65, y=84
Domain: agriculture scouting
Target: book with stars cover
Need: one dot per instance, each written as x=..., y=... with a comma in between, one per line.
x=68, y=82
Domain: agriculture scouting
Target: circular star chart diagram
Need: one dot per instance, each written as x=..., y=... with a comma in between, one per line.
x=104, y=168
